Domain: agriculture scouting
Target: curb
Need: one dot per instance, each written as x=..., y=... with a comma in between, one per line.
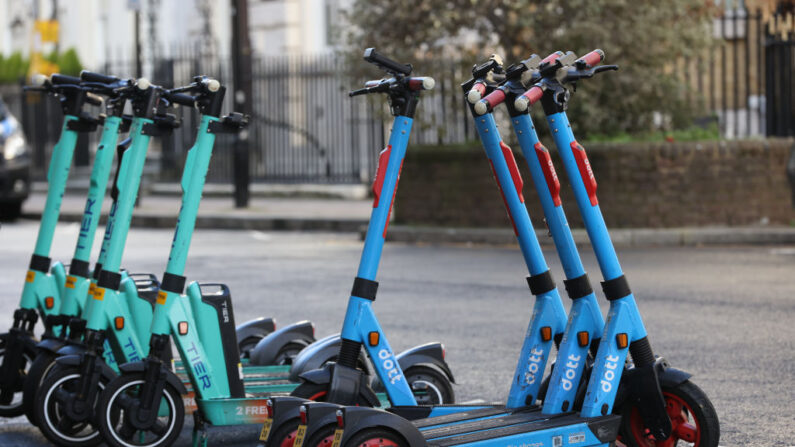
x=629, y=237
x=227, y=222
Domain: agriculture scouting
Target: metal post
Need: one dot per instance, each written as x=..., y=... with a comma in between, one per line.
x=241, y=74
x=137, y=30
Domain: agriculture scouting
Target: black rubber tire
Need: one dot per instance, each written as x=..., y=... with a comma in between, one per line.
x=441, y=390
x=283, y=434
x=375, y=434
x=318, y=392
x=288, y=352
x=41, y=367
x=46, y=411
x=322, y=437
x=113, y=412
x=247, y=345
x=703, y=414
x=16, y=408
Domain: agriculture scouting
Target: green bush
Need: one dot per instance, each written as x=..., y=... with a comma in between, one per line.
x=13, y=68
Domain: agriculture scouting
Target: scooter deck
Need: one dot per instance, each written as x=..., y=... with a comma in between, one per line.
x=484, y=422
x=479, y=413
x=603, y=428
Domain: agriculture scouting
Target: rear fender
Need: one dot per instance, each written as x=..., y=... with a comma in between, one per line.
x=76, y=360
x=259, y=328
x=362, y=418
x=285, y=409
x=71, y=349
x=266, y=351
x=52, y=345
x=430, y=354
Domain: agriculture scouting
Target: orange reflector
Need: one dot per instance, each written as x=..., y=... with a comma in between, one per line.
x=621, y=340
x=161, y=297
x=546, y=333
x=30, y=276
x=99, y=293
x=119, y=323
x=582, y=338
x=70, y=282
x=183, y=328
x=49, y=302
x=373, y=338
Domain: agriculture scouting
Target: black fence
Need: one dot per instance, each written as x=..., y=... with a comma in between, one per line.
x=305, y=128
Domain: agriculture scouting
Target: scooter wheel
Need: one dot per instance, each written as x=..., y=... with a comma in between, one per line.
x=284, y=435
x=287, y=353
x=120, y=400
x=323, y=437
x=52, y=405
x=376, y=437
x=693, y=419
x=13, y=395
x=42, y=365
x=429, y=386
x=247, y=345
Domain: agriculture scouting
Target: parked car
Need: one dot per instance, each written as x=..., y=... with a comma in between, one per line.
x=14, y=165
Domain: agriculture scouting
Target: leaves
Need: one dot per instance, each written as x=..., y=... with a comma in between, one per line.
x=644, y=37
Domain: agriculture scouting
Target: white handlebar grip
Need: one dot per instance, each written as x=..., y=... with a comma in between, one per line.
x=38, y=79
x=212, y=85
x=143, y=84
x=521, y=103
x=473, y=96
x=481, y=107
x=428, y=83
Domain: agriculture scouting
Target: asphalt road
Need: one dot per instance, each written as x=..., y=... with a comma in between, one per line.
x=722, y=313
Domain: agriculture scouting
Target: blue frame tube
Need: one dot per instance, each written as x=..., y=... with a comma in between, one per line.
x=360, y=319
x=585, y=315
x=623, y=316
x=548, y=310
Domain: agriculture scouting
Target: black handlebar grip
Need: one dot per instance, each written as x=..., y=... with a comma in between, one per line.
x=64, y=79
x=370, y=55
x=181, y=98
x=90, y=76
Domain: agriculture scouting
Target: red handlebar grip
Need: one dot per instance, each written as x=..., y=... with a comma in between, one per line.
x=495, y=98
x=552, y=57
x=476, y=92
x=593, y=58
x=421, y=83
x=534, y=94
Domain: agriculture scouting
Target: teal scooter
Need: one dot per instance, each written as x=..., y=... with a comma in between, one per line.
x=44, y=280
x=65, y=419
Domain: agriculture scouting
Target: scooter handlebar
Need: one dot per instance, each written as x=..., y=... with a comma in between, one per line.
x=64, y=79
x=421, y=83
x=90, y=76
x=491, y=101
x=93, y=99
x=528, y=98
x=385, y=63
x=181, y=98
x=592, y=58
x=476, y=92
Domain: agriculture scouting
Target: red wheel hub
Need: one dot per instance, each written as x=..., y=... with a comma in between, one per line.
x=289, y=439
x=318, y=395
x=684, y=426
x=378, y=442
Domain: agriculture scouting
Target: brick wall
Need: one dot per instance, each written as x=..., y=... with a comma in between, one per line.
x=639, y=185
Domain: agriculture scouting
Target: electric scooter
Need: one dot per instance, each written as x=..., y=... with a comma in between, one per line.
x=219, y=391
x=44, y=281
x=78, y=281
x=624, y=332
x=342, y=382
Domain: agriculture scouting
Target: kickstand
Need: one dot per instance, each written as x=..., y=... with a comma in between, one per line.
x=199, y=430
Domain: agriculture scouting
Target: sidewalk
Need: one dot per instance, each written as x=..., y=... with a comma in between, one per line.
x=352, y=215
x=263, y=213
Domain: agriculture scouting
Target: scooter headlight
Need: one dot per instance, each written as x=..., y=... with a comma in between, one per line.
x=15, y=146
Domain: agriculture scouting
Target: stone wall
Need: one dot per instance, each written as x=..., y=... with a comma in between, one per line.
x=639, y=185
